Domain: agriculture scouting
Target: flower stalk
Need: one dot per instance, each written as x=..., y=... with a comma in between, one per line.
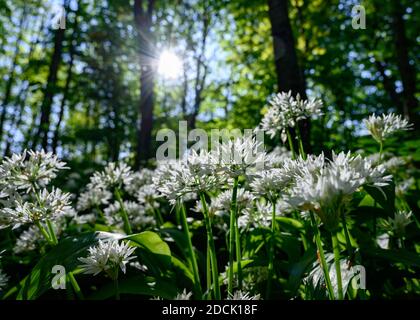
x=323, y=261
x=336, y=250
x=232, y=233
x=192, y=258
x=211, y=248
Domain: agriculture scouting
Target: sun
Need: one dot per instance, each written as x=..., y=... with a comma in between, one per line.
x=170, y=66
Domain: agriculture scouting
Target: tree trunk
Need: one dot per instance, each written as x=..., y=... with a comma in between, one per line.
x=143, y=20
x=68, y=82
x=289, y=75
x=50, y=89
x=407, y=71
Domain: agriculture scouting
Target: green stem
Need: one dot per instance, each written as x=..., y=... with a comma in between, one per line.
x=210, y=239
x=75, y=286
x=336, y=249
x=208, y=273
x=116, y=284
x=381, y=147
x=158, y=216
x=232, y=232
x=347, y=235
x=44, y=232
x=271, y=253
x=292, y=148
x=52, y=233
x=322, y=256
x=193, y=260
x=301, y=149
x=238, y=253
x=124, y=216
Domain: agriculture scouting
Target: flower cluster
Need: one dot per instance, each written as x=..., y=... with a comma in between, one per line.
x=326, y=186
x=109, y=257
x=285, y=112
x=24, y=197
x=381, y=127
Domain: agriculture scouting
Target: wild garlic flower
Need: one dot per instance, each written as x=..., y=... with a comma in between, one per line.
x=113, y=175
x=240, y=156
x=222, y=202
x=277, y=157
x=148, y=195
x=28, y=240
x=48, y=205
x=269, y=183
x=402, y=187
x=184, y=295
x=195, y=173
x=30, y=170
x=396, y=226
x=95, y=195
x=109, y=257
x=136, y=214
x=138, y=180
x=328, y=189
x=3, y=280
x=242, y=295
x=381, y=127
x=286, y=111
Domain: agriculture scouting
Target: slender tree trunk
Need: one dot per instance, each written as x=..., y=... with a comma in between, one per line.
x=289, y=75
x=406, y=70
x=50, y=88
x=10, y=81
x=68, y=82
x=143, y=20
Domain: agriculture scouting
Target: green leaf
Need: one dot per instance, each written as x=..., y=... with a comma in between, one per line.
x=65, y=253
x=289, y=224
x=137, y=285
x=156, y=253
x=385, y=196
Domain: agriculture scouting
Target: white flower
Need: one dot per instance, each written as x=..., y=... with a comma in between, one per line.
x=270, y=183
x=30, y=170
x=48, y=205
x=109, y=257
x=195, y=173
x=241, y=295
x=327, y=189
x=396, y=226
x=277, y=157
x=95, y=195
x=381, y=127
x=148, y=195
x=237, y=157
x=184, y=295
x=28, y=240
x=402, y=187
x=136, y=214
x=286, y=111
x=3, y=280
x=138, y=180
x=223, y=201
x=113, y=175
x=84, y=218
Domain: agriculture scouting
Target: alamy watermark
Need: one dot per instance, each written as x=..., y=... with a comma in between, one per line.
x=358, y=14
x=177, y=145
x=58, y=18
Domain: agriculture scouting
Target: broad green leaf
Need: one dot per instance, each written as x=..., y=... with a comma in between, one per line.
x=385, y=196
x=65, y=254
x=137, y=285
